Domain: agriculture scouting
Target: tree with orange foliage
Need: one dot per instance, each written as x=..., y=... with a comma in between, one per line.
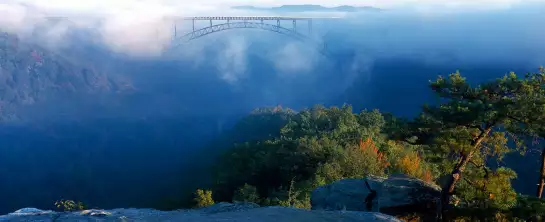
x=411, y=164
x=369, y=145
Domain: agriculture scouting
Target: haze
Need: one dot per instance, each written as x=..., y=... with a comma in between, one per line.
x=181, y=99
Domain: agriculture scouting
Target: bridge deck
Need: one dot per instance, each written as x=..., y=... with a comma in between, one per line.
x=252, y=18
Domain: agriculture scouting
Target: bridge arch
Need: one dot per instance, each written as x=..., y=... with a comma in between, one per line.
x=229, y=23
x=243, y=25
x=249, y=23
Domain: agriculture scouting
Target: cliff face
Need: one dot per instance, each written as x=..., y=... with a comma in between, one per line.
x=30, y=74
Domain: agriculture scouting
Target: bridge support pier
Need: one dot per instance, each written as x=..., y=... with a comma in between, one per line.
x=175, y=30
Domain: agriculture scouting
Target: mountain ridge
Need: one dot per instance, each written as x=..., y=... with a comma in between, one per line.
x=30, y=74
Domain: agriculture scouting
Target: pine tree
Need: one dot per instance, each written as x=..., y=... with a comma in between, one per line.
x=464, y=128
x=530, y=121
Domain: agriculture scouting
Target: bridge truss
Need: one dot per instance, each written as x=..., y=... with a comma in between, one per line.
x=238, y=22
x=221, y=23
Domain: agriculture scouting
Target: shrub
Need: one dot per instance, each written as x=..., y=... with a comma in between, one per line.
x=247, y=193
x=203, y=198
x=70, y=205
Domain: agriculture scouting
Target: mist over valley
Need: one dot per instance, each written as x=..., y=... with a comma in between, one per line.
x=105, y=107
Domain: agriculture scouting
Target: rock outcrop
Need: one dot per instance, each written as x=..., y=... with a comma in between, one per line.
x=369, y=199
x=225, y=212
x=348, y=194
x=397, y=195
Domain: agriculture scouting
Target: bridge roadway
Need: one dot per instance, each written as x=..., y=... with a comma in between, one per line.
x=236, y=22
x=245, y=19
x=253, y=18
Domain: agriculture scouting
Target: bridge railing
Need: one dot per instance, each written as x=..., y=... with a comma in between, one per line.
x=229, y=19
x=234, y=22
x=253, y=18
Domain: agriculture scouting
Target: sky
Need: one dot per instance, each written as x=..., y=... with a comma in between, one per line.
x=208, y=6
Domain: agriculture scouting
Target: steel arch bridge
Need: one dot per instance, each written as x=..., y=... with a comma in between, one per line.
x=248, y=22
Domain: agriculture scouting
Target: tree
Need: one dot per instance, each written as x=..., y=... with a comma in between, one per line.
x=465, y=124
x=315, y=146
x=247, y=193
x=530, y=121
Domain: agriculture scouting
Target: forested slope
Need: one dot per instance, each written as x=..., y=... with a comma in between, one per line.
x=458, y=143
x=29, y=74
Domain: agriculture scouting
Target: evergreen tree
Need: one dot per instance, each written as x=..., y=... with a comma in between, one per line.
x=530, y=121
x=464, y=128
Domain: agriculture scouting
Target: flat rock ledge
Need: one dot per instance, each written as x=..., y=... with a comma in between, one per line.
x=225, y=212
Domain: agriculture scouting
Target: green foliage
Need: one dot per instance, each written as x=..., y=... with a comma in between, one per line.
x=70, y=205
x=462, y=134
x=203, y=198
x=296, y=195
x=489, y=189
x=295, y=198
x=247, y=193
x=525, y=209
x=411, y=163
x=529, y=121
x=528, y=208
x=261, y=124
x=315, y=147
x=356, y=161
x=459, y=143
x=530, y=118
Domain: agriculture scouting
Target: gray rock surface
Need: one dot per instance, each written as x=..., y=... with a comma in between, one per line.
x=348, y=194
x=224, y=212
x=399, y=191
x=396, y=195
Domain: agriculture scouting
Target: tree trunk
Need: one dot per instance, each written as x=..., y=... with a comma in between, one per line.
x=541, y=181
x=456, y=174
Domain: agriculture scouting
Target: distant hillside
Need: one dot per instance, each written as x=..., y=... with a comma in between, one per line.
x=30, y=74
x=309, y=8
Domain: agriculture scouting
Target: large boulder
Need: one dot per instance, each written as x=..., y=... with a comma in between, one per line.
x=347, y=194
x=225, y=212
x=396, y=195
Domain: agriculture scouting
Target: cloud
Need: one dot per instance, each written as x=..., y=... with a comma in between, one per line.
x=433, y=31
x=17, y=18
x=136, y=35
x=231, y=60
x=207, y=5
x=293, y=59
x=126, y=25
